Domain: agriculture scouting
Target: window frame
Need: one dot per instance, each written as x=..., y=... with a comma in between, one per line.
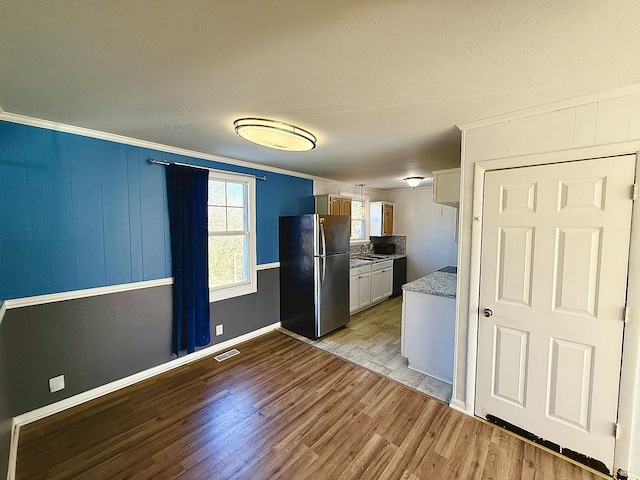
x=365, y=199
x=223, y=292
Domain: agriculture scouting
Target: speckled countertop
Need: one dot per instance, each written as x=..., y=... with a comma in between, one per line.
x=438, y=283
x=360, y=262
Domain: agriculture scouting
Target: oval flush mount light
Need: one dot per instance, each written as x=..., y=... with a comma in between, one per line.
x=413, y=181
x=274, y=134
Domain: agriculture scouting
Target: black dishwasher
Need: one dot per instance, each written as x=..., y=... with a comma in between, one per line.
x=399, y=275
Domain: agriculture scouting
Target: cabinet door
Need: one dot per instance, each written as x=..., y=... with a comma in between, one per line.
x=354, y=293
x=446, y=187
x=387, y=220
x=335, y=206
x=345, y=207
x=376, y=285
x=387, y=282
x=365, y=290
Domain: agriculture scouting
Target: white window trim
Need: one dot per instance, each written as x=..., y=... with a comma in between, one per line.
x=367, y=215
x=251, y=285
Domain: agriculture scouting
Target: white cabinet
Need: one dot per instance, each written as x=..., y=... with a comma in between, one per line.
x=354, y=293
x=359, y=288
x=381, y=218
x=370, y=284
x=446, y=187
x=387, y=281
x=381, y=280
x=376, y=286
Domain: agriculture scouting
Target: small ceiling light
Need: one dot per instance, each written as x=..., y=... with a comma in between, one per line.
x=413, y=181
x=274, y=134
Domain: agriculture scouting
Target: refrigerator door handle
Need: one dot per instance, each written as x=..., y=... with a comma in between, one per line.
x=323, y=239
x=323, y=261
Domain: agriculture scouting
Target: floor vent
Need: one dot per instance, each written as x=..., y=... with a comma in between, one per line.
x=225, y=355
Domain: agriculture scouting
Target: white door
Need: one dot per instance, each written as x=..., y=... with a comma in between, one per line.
x=555, y=248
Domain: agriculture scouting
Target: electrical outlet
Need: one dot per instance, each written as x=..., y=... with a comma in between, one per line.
x=56, y=383
x=218, y=330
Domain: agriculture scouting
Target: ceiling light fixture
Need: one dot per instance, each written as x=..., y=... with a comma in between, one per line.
x=274, y=134
x=413, y=181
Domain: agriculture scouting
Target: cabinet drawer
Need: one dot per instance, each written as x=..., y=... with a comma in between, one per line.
x=382, y=265
x=354, y=272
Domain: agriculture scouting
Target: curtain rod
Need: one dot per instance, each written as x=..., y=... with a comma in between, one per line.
x=161, y=162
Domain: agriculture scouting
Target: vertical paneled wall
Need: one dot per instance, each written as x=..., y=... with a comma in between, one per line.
x=78, y=212
x=607, y=122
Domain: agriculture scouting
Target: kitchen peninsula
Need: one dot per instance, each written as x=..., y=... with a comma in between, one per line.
x=428, y=323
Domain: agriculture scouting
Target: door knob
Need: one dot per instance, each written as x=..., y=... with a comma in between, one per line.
x=487, y=312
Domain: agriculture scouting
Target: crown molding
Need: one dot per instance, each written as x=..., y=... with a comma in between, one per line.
x=112, y=137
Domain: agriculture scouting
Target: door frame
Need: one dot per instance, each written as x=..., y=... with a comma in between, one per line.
x=630, y=368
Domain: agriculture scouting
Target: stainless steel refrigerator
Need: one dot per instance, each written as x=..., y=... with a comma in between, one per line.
x=314, y=273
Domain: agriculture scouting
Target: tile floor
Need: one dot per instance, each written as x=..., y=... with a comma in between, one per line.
x=372, y=339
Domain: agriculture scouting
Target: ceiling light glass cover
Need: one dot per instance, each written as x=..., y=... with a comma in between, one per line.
x=274, y=134
x=414, y=181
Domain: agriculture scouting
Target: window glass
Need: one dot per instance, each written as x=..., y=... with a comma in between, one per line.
x=227, y=263
x=358, y=218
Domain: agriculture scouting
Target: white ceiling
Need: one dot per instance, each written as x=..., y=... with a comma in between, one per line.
x=382, y=84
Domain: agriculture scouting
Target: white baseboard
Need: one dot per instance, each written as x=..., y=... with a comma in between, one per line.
x=97, y=392
x=460, y=406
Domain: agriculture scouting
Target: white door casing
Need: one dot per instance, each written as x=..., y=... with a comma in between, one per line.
x=555, y=245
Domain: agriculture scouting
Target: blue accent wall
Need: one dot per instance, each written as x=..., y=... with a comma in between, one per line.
x=78, y=212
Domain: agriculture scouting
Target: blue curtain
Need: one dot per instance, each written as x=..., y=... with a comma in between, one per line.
x=187, y=190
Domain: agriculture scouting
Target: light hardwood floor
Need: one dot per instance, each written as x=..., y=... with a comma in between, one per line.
x=372, y=339
x=280, y=409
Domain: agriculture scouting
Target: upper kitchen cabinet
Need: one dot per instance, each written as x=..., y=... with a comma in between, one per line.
x=446, y=187
x=381, y=218
x=329, y=204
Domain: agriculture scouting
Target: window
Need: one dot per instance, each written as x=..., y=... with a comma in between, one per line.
x=359, y=216
x=358, y=219
x=232, y=245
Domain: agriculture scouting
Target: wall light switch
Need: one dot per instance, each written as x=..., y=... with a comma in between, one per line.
x=218, y=329
x=56, y=383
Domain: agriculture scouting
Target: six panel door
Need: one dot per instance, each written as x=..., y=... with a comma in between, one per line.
x=555, y=246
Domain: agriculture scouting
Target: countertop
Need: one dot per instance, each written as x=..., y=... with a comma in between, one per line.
x=440, y=283
x=360, y=262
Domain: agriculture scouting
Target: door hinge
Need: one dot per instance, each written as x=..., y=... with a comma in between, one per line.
x=626, y=314
x=634, y=191
x=616, y=430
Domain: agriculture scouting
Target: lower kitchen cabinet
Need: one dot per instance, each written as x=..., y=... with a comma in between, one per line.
x=370, y=284
x=376, y=286
x=359, y=288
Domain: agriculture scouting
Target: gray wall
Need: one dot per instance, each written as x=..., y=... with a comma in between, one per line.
x=97, y=340
x=5, y=408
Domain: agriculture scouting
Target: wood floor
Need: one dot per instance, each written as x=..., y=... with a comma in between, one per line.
x=280, y=409
x=372, y=339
